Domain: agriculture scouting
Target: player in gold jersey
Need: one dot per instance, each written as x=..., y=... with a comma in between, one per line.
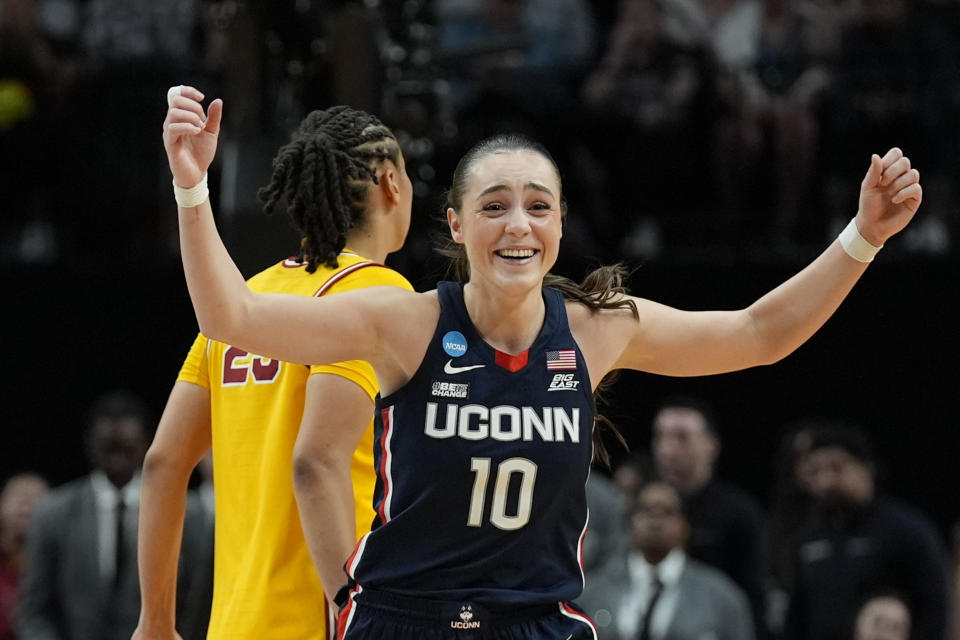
x=273, y=424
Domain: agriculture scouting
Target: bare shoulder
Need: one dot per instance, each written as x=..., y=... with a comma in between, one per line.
x=425, y=307
x=585, y=320
x=424, y=314
x=396, y=307
x=601, y=334
x=425, y=302
x=390, y=294
x=605, y=334
x=407, y=320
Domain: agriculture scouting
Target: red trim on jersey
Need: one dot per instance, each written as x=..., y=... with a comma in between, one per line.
x=385, y=416
x=340, y=275
x=293, y=262
x=356, y=550
x=512, y=362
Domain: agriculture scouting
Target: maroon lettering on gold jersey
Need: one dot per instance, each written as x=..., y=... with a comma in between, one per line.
x=235, y=369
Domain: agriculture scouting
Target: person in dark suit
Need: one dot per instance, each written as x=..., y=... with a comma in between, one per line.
x=726, y=523
x=606, y=532
x=79, y=578
x=857, y=541
x=655, y=591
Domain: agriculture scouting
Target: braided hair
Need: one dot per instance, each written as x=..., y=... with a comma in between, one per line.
x=320, y=178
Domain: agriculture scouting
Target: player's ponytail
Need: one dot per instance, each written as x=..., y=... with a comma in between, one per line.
x=603, y=288
x=321, y=177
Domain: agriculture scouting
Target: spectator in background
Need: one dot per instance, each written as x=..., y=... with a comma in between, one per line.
x=727, y=29
x=517, y=65
x=502, y=47
x=80, y=570
x=934, y=34
x=790, y=507
x=630, y=475
x=857, y=542
x=649, y=92
x=26, y=69
x=614, y=510
x=19, y=497
x=875, y=39
x=655, y=591
x=772, y=121
x=118, y=52
x=493, y=53
x=882, y=617
x=605, y=532
x=725, y=523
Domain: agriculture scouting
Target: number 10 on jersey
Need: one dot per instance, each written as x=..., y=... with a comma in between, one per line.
x=498, y=506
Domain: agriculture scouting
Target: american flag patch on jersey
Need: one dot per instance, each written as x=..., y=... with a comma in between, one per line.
x=561, y=359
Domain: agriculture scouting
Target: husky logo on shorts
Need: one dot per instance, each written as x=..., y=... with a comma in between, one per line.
x=466, y=620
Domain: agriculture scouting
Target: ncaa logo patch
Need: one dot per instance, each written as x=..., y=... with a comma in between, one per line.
x=454, y=344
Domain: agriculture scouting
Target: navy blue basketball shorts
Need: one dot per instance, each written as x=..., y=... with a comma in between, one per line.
x=375, y=615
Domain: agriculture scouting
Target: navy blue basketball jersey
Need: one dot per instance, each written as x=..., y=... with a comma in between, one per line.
x=482, y=459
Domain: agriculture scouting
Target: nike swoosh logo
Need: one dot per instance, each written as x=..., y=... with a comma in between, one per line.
x=450, y=369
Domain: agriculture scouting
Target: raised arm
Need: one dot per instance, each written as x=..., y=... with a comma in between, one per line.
x=286, y=327
x=681, y=343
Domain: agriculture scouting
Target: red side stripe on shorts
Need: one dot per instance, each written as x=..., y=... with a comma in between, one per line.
x=343, y=273
x=570, y=612
x=346, y=615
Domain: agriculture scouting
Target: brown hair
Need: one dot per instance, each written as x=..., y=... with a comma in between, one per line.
x=602, y=289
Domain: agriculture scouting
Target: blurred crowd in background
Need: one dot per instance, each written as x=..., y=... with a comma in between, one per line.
x=716, y=131
x=691, y=129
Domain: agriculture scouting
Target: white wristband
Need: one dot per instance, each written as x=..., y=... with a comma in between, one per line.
x=856, y=245
x=195, y=195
